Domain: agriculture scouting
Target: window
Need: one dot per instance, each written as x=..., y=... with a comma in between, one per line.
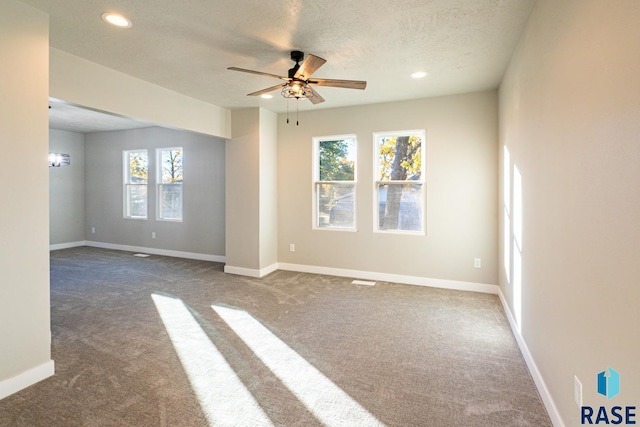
x=170, y=184
x=399, y=185
x=136, y=176
x=334, y=182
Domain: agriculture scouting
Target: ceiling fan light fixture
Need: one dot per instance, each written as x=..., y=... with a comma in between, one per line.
x=297, y=89
x=116, y=19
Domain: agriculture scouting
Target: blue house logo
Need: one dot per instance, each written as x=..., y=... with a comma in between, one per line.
x=609, y=385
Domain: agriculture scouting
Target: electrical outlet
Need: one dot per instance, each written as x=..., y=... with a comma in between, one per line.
x=153, y=234
x=93, y=230
x=292, y=247
x=577, y=390
x=477, y=263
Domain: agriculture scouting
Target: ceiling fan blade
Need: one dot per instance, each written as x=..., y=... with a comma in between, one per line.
x=309, y=66
x=348, y=84
x=316, y=98
x=260, y=73
x=267, y=90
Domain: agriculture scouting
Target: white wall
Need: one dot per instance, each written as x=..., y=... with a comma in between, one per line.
x=268, y=189
x=66, y=189
x=461, y=186
x=86, y=83
x=203, y=229
x=25, y=355
x=243, y=190
x=251, y=193
x=570, y=117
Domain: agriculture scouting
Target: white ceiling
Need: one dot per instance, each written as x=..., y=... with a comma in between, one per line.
x=73, y=118
x=187, y=45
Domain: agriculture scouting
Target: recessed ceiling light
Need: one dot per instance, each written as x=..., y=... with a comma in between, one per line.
x=419, y=74
x=266, y=96
x=116, y=19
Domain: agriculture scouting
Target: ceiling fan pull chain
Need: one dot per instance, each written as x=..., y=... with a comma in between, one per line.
x=287, y=110
x=297, y=108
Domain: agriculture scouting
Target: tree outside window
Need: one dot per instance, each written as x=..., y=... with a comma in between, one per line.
x=170, y=171
x=400, y=181
x=334, y=182
x=136, y=178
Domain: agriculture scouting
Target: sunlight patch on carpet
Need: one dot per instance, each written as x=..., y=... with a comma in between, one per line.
x=224, y=399
x=328, y=402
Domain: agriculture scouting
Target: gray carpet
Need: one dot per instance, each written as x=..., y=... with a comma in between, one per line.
x=405, y=355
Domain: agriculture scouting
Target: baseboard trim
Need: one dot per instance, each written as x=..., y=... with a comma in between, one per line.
x=26, y=379
x=549, y=404
x=394, y=278
x=155, y=251
x=58, y=246
x=250, y=272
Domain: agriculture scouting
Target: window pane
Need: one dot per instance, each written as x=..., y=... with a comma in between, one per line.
x=400, y=158
x=335, y=205
x=136, y=201
x=171, y=166
x=138, y=167
x=171, y=201
x=400, y=207
x=337, y=160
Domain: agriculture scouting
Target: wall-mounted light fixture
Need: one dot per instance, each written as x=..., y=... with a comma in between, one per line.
x=58, y=159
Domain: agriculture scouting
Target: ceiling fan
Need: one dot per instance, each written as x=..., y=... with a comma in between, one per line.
x=297, y=84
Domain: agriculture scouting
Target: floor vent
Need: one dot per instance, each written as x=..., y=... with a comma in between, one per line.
x=363, y=282
x=141, y=255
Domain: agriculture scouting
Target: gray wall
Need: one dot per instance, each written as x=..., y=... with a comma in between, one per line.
x=24, y=217
x=570, y=117
x=66, y=189
x=203, y=228
x=461, y=186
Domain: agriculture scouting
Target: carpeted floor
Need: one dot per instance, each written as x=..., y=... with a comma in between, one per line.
x=400, y=355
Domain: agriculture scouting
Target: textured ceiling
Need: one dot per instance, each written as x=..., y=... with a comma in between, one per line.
x=187, y=45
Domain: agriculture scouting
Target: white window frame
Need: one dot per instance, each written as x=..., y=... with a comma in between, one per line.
x=126, y=169
x=377, y=136
x=316, y=182
x=160, y=185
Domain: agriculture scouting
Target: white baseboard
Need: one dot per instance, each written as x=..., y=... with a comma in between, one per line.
x=154, y=251
x=394, y=278
x=549, y=404
x=58, y=246
x=26, y=379
x=250, y=272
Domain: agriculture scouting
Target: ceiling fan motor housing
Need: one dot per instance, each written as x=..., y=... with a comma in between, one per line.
x=297, y=56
